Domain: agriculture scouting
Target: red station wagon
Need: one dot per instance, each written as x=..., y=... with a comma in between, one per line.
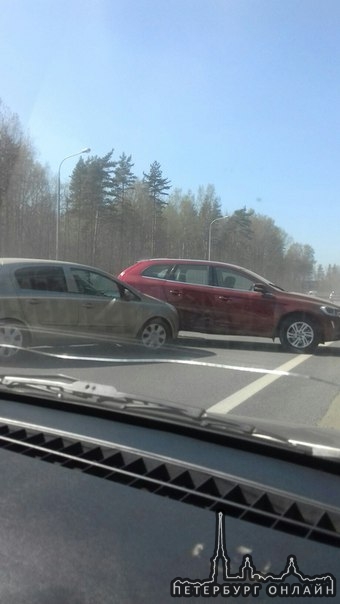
x=219, y=298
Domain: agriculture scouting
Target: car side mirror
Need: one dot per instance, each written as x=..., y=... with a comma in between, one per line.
x=260, y=288
x=128, y=296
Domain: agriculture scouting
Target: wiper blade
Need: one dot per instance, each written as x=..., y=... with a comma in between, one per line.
x=300, y=438
x=68, y=389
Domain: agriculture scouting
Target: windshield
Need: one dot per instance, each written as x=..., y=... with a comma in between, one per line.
x=162, y=166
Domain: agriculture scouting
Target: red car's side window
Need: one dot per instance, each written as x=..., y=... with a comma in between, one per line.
x=232, y=279
x=195, y=274
x=156, y=271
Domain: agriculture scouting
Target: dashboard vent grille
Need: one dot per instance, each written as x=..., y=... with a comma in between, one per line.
x=182, y=482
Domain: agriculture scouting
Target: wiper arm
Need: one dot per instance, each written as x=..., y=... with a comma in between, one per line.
x=57, y=384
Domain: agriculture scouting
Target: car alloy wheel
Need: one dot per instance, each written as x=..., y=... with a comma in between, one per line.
x=154, y=334
x=299, y=335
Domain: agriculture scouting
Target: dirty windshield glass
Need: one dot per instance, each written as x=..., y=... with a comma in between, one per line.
x=162, y=165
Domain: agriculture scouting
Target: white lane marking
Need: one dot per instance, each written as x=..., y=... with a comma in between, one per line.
x=232, y=401
x=149, y=360
x=331, y=419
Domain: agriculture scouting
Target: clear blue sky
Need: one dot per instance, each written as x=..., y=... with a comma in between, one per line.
x=243, y=94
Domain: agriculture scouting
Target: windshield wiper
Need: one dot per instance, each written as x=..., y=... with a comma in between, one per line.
x=306, y=442
x=69, y=390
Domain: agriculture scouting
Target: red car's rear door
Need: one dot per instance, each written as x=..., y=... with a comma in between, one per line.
x=188, y=289
x=151, y=280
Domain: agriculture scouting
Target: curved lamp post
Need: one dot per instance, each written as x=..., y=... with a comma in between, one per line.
x=209, y=243
x=87, y=150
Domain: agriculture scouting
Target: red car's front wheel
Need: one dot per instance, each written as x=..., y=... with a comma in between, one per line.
x=299, y=335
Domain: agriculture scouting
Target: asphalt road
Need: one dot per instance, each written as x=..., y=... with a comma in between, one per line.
x=242, y=376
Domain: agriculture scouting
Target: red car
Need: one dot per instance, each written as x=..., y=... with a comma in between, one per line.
x=219, y=298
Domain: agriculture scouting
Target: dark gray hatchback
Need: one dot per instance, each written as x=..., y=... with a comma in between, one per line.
x=41, y=300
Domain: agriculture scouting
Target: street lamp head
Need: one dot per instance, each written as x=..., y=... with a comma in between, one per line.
x=87, y=150
x=209, y=240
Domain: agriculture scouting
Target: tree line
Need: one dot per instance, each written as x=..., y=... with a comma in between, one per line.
x=110, y=217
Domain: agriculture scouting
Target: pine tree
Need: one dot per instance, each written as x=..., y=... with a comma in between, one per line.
x=89, y=202
x=122, y=184
x=157, y=187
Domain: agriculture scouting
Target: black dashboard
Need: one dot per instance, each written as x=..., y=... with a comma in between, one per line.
x=119, y=510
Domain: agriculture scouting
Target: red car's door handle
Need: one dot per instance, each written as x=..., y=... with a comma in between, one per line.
x=224, y=298
x=175, y=292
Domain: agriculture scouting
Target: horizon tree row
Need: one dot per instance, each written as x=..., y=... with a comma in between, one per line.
x=110, y=217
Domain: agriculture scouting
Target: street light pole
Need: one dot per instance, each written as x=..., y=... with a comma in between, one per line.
x=209, y=242
x=87, y=150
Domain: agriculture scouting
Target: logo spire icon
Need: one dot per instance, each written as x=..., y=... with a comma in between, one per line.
x=219, y=553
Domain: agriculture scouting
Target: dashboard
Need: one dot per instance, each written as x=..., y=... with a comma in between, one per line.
x=122, y=509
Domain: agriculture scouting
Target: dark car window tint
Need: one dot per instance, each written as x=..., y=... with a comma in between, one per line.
x=50, y=279
x=232, y=280
x=192, y=273
x=91, y=283
x=157, y=271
